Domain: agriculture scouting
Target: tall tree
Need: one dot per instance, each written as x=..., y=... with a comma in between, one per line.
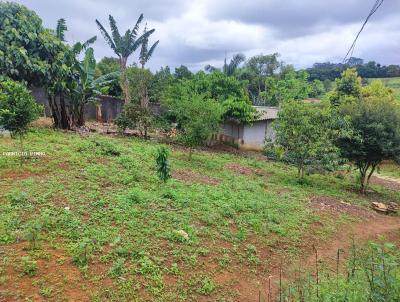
x=109, y=65
x=27, y=49
x=374, y=119
x=230, y=69
x=347, y=89
x=124, y=46
x=61, y=29
x=305, y=132
x=145, y=51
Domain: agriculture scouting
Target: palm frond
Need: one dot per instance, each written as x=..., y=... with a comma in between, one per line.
x=114, y=31
x=107, y=37
x=89, y=42
x=89, y=64
x=79, y=47
x=234, y=63
x=136, y=43
x=151, y=50
x=107, y=78
x=210, y=68
x=136, y=28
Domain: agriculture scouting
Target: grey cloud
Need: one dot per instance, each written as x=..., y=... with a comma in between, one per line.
x=292, y=18
x=198, y=32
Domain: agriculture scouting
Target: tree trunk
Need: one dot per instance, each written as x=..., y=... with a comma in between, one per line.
x=64, y=122
x=125, y=82
x=371, y=172
x=363, y=168
x=300, y=170
x=55, y=114
x=99, y=115
x=81, y=116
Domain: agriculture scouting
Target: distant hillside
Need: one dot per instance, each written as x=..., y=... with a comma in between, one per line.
x=393, y=83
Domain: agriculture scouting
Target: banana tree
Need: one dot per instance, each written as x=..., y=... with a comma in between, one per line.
x=145, y=51
x=63, y=73
x=124, y=46
x=86, y=88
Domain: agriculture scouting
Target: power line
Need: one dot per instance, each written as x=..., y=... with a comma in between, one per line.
x=375, y=7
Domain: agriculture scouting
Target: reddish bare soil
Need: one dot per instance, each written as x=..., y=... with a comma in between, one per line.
x=387, y=183
x=192, y=177
x=13, y=175
x=331, y=204
x=54, y=272
x=243, y=170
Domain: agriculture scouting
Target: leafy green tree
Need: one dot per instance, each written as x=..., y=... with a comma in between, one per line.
x=139, y=81
x=17, y=108
x=162, y=164
x=182, y=72
x=238, y=110
x=375, y=124
x=256, y=69
x=124, y=46
x=198, y=119
x=160, y=83
x=305, y=132
x=145, y=51
x=291, y=85
x=347, y=88
x=226, y=90
x=27, y=49
x=109, y=65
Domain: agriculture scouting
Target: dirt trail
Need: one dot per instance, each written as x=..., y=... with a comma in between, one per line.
x=385, y=181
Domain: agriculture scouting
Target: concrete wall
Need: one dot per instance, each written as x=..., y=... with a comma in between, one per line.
x=255, y=134
x=111, y=107
x=248, y=137
x=233, y=129
x=270, y=133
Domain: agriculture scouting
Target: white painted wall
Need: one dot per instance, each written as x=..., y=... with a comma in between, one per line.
x=255, y=134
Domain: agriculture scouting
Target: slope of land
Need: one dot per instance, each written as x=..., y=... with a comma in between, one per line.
x=97, y=225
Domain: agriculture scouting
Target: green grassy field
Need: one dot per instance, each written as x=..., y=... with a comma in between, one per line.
x=393, y=83
x=90, y=221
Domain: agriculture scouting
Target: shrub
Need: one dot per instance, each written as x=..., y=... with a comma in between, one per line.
x=28, y=266
x=135, y=117
x=17, y=107
x=162, y=164
x=305, y=132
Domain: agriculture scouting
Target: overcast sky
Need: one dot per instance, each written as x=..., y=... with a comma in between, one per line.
x=200, y=32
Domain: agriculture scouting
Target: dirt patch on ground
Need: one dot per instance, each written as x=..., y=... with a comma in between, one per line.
x=331, y=204
x=243, y=170
x=192, y=177
x=55, y=276
x=17, y=175
x=387, y=183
